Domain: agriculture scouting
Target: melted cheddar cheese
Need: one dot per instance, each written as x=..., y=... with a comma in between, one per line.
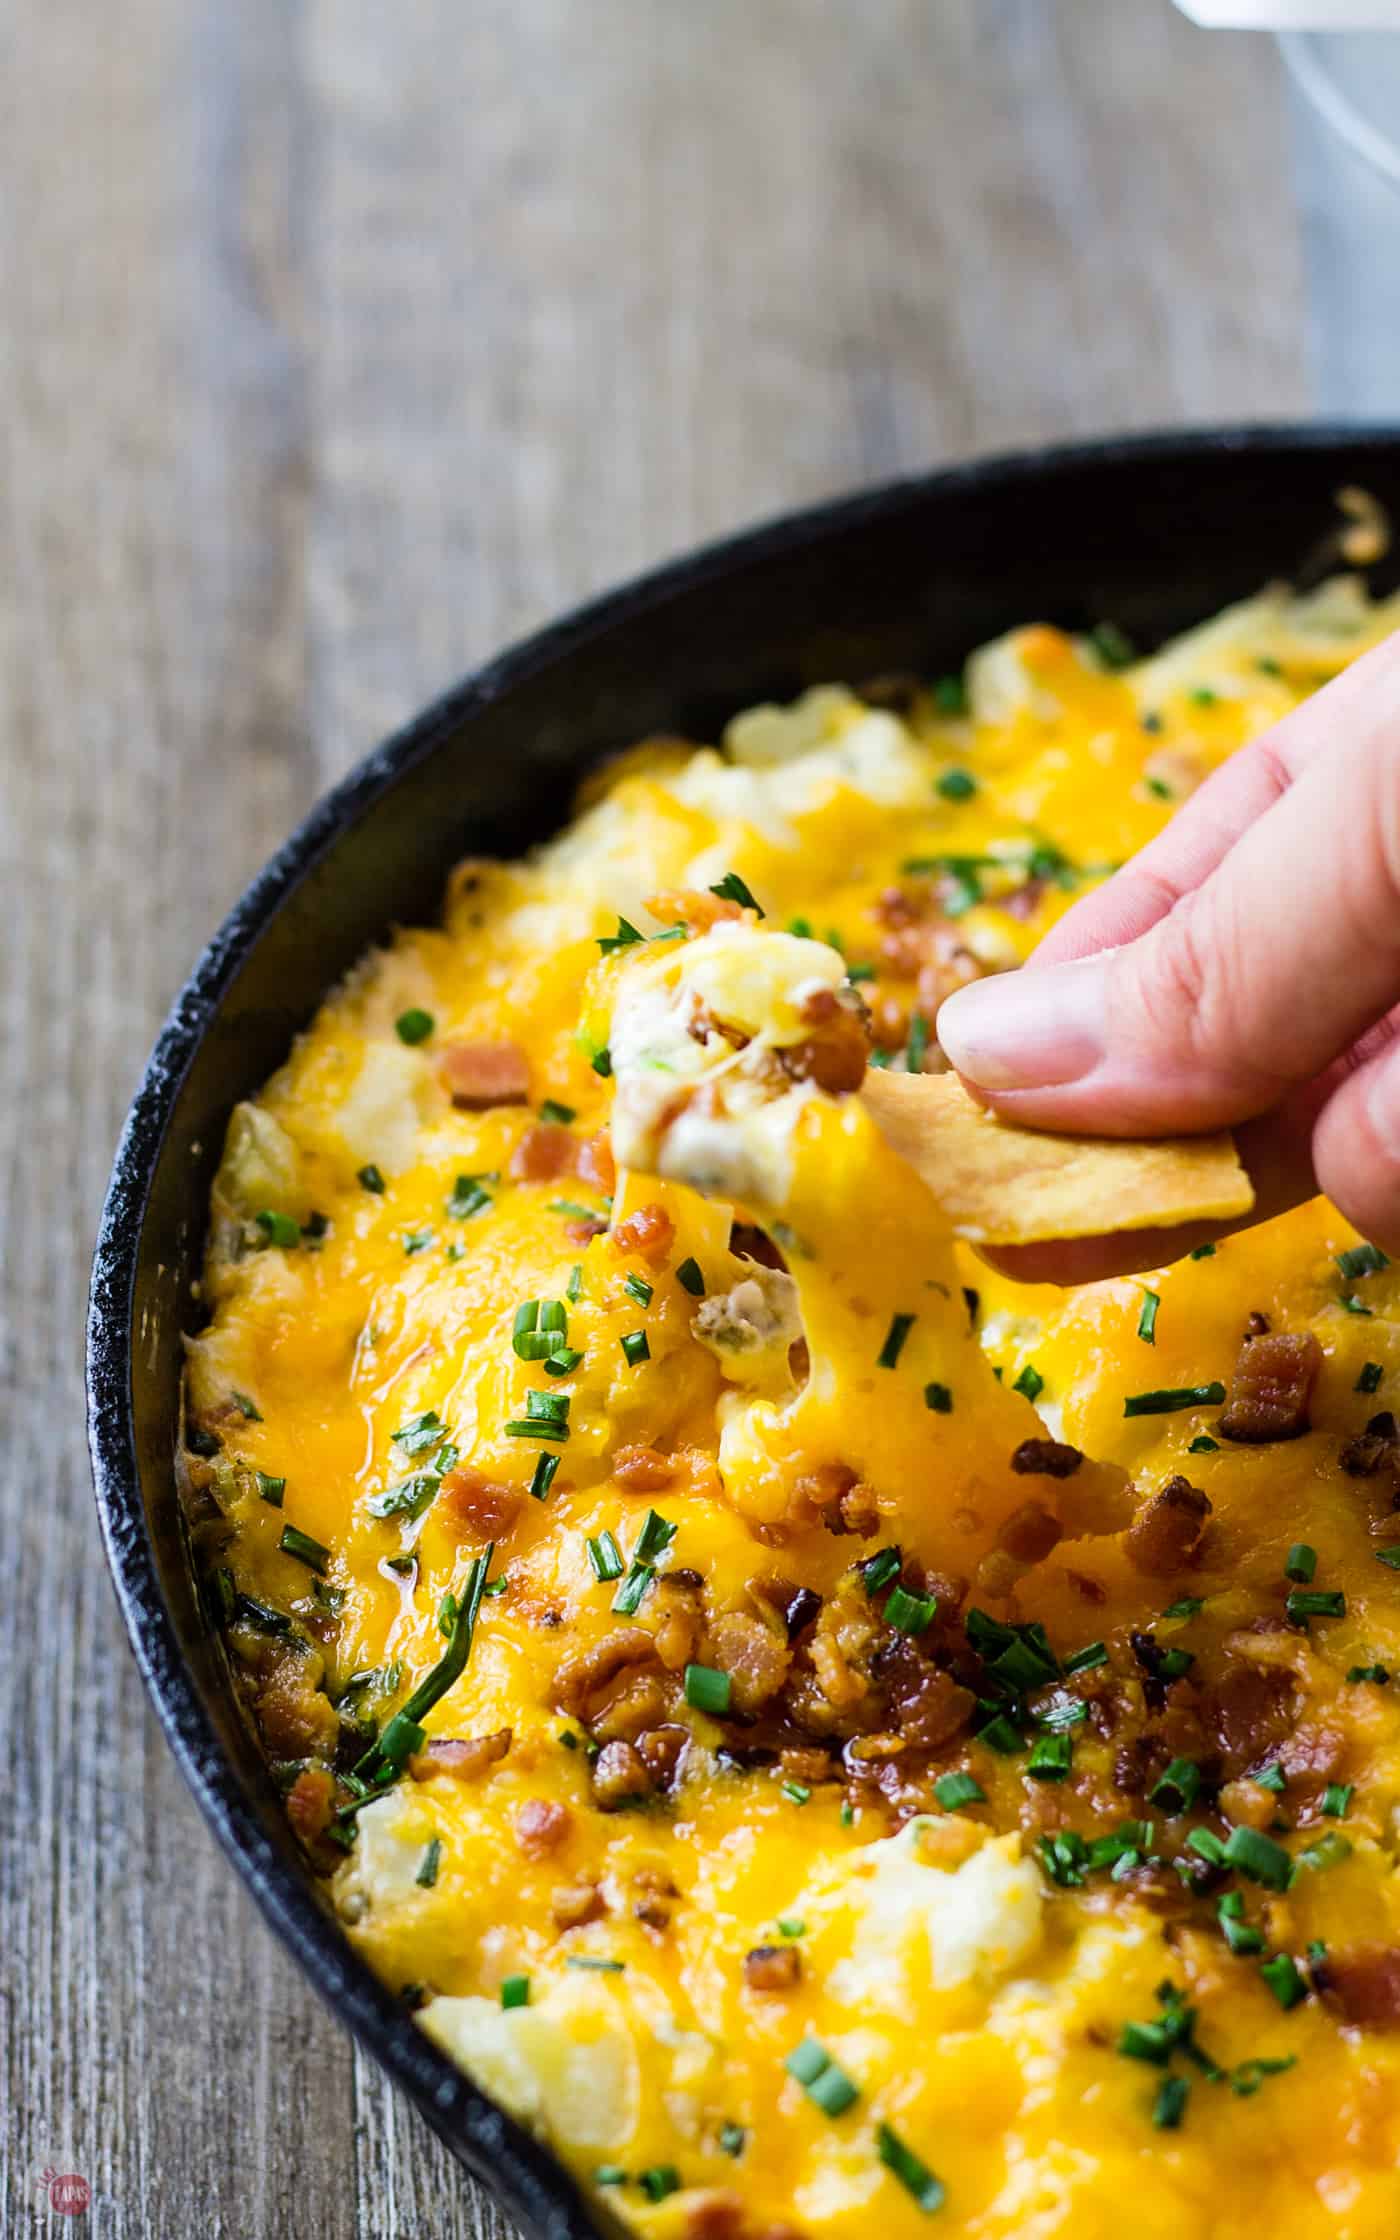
x=849, y=1808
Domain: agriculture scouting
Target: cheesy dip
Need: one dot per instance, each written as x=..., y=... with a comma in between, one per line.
x=830, y=1739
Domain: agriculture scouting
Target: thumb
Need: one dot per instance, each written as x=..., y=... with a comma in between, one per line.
x=1253, y=983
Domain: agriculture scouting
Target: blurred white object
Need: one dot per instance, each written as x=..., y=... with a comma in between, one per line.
x=1347, y=177
x=1293, y=15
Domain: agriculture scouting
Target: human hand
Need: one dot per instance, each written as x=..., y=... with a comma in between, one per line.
x=1243, y=971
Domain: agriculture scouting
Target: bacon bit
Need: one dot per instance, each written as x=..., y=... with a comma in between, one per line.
x=692, y=908
x=478, y=1075
x=649, y=1232
x=596, y=1163
x=540, y=1827
x=1363, y=1984
x=619, y=1773
x=748, y=1242
x=796, y=1606
x=1271, y=1388
x=295, y=1715
x=642, y=1470
x=773, y=1967
x=682, y=1623
x=475, y=1506
x=1024, y=901
x=1030, y=1532
x=889, y=1021
x=465, y=1757
x=1166, y=1534
x=820, y=1493
x=809, y=1766
x=661, y=1750
x=835, y=1055
x=839, y=1682
x=310, y=1802
x=582, y=1233
x=545, y=1151
x=574, y=1904
x=1092, y=1590
x=1045, y=1458
x=579, y=1679
x=1258, y=1324
x=997, y=1574
x=1252, y=1710
x=720, y=2215
x=928, y=1707
x=631, y=1703
x=755, y=1659
x=1374, y=1449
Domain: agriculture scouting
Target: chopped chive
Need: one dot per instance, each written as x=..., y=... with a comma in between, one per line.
x=1259, y=1857
x=1323, y=1603
x=628, y=1599
x=1336, y=1798
x=1086, y=1660
x=1207, y=1845
x=1328, y=1851
x=1370, y=1378
x=655, y=1537
x=432, y=1859
x=467, y=1198
x=1284, y=1980
x=417, y=1240
x=639, y=1289
x=602, y=1062
x=1146, y=2041
x=590, y=1965
x=420, y=1433
x=1300, y=1563
x=278, y=1228
x=1376, y=1673
x=1030, y=1383
x=910, y=1613
x=858, y=972
x=1240, y=1935
x=915, y=2176
x=1000, y=1735
x=954, y=1790
x=1201, y=696
x=1202, y=1252
x=707, y=1690
x=1204, y=1444
x=610, y=2174
x=543, y=1479
x=370, y=1178
x=1147, y=1320
x=939, y=1399
x=956, y=785
x=605, y=1556
x=1113, y=646
x=1389, y=1556
x=1171, y=1397
x=304, y=1548
x=791, y=1925
x=1177, y=1788
x=659, y=2181
x=413, y=1025
x=635, y=1348
x=556, y=1115
x=821, y=2078
x=575, y=1211
x=246, y=1407
x=1051, y=1758
x=1352, y=1305
x=1362, y=1260
x=878, y=1570
x=624, y=938
x=899, y=1329
x=1272, y=1777
x=731, y=888
x=690, y=1279
x=1170, y=2104
x=574, y=1287
x=950, y=696
x=916, y=1048
x=797, y=1792
x=732, y=2139
x=1189, y=1606
x=515, y=1991
x=270, y=1490
x=847, y=1815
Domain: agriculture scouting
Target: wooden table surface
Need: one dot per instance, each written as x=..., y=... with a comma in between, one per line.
x=340, y=343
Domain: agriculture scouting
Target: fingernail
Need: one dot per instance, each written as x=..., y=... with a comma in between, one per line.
x=1027, y=1030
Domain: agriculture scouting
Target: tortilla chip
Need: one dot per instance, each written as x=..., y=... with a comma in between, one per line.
x=1000, y=1184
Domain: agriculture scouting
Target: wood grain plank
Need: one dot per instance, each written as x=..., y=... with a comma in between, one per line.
x=341, y=344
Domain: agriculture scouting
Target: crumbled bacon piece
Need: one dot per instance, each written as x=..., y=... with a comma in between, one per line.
x=1271, y=1388
x=1363, y=1983
x=295, y=1715
x=477, y=1075
x=797, y=1606
x=1166, y=1534
x=310, y=1802
x=574, y=1904
x=596, y=1163
x=1045, y=1458
x=1252, y=1710
x=544, y=1153
x=642, y=1469
x=579, y=1679
x=754, y=1657
x=465, y=1757
x=1030, y=1532
x=476, y=1506
x=618, y=1774
x=541, y=1826
x=648, y=1232
x=661, y=1750
x=1375, y=1449
x=633, y=1701
x=773, y=1967
x=748, y=1242
x=926, y=1706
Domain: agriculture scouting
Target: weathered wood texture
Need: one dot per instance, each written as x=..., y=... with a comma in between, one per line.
x=338, y=343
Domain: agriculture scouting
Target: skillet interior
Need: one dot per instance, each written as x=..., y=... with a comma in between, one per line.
x=1155, y=534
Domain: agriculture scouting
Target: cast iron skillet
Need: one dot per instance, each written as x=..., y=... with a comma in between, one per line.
x=1155, y=533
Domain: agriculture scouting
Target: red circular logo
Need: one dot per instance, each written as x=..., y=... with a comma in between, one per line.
x=69, y=2195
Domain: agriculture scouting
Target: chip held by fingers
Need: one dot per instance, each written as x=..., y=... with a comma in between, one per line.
x=1000, y=1184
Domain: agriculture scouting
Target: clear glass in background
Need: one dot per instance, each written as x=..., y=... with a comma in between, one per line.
x=1346, y=102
